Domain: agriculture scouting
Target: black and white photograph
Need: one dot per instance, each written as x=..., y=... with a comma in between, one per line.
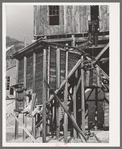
x=60, y=74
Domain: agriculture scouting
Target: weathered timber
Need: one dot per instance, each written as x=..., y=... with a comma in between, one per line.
x=44, y=97
x=82, y=97
x=24, y=117
x=57, y=86
x=101, y=53
x=34, y=70
x=16, y=96
x=33, y=117
x=74, y=102
x=48, y=79
x=65, y=100
x=69, y=114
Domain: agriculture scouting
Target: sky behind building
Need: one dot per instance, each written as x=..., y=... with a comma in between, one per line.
x=19, y=22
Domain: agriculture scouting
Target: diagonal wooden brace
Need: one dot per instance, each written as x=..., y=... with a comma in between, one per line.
x=70, y=115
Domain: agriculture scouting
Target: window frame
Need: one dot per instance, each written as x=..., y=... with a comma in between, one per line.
x=53, y=15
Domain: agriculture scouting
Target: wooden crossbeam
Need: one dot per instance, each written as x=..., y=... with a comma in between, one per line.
x=81, y=134
x=63, y=83
x=101, y=53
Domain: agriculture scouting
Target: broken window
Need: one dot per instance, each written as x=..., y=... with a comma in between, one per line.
x=53, y=15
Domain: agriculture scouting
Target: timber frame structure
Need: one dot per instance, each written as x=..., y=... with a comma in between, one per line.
x=62, y=77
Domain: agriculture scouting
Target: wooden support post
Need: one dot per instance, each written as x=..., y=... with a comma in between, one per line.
x=73, y=41
x=44, y=97
x=98, y=76
x=57, y=86
x=34, y=117
x=96, y=96
x=48, y=91
x=87, y=77
x=24, y=101
x=16, y=95
x=74, y=102
x=34, y=70
x=82, y=97
x=65, y=100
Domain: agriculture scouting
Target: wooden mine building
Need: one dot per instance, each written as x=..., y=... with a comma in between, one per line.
x=65, y=71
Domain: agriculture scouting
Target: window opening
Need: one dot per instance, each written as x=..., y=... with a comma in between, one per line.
x=53, y=15
x=94, y=12
x=11, y=91
x=7, y=82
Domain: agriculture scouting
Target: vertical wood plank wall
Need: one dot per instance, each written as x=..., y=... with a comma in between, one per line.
x=29, y=71
x=39, y=75
x=73, y=19
x=103, y=18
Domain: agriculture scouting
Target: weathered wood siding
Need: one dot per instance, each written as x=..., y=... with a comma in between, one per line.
x=72, y=19
x=103, y=18
x=29, y=71
x=39, y=75
x=72, y=60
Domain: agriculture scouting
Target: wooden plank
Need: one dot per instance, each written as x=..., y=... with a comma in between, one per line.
x=44, y=97
x=98, y=76
x=87, y=77
x=101, y=53
x=65, y=19
x=65, y=100
x=96, y=97
x=73, y=20
x=57, y=86
x=82, y=98
x=74, y=103
x=73, y=40
x=48, y=79
x=24, y=101
x=34, y=70
x=16, y=123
